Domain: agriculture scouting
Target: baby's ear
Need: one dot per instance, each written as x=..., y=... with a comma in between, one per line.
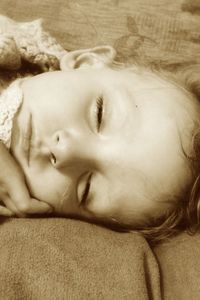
x=97, y=57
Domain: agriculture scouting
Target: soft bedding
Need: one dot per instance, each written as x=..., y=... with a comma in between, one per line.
x=57, y=258
x=66, y=259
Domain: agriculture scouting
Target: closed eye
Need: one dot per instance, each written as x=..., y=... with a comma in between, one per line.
x=99, y=112
x=86, y=191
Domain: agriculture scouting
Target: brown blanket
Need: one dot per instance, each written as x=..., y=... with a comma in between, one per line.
x=48, y=259
x=67, y=259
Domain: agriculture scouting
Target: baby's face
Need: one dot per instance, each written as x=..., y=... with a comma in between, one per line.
x=103, y=143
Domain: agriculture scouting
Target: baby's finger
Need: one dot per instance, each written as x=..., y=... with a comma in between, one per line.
x=4, y=211
x=11, y=206
x=38, y=207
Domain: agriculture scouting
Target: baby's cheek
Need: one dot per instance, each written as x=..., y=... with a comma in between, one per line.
x=47, y=185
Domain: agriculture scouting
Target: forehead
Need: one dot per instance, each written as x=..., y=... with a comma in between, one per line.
x=80, y=80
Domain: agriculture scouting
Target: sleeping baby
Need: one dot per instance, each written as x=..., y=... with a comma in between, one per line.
x=103, y=142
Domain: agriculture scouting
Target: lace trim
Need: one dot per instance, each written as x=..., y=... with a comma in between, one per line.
x=10, y=101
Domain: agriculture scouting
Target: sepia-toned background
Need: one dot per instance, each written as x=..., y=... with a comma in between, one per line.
x=48, y=259
x=151, y=29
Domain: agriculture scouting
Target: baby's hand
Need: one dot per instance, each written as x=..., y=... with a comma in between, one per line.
x=13, y=191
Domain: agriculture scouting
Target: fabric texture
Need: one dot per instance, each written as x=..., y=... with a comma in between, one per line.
x=48, y=259
x=22, y=41
x=27, y=41
x=68, y=259
x=10, y=101
x=179, y=267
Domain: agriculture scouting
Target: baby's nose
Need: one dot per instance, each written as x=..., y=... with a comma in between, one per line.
x=65, y=149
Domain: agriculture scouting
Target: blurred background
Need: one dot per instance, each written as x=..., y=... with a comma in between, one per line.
x=147, y=29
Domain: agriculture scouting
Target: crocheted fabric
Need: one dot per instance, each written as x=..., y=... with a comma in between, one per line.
x=10, y=102
x=19, y=42
x=27, y=41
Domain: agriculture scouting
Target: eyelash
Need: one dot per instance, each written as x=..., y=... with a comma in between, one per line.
x=99, y=117
x=85, y=194
x=99, y=112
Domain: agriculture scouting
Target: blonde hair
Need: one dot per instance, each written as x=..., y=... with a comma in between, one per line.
x=185, y=212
